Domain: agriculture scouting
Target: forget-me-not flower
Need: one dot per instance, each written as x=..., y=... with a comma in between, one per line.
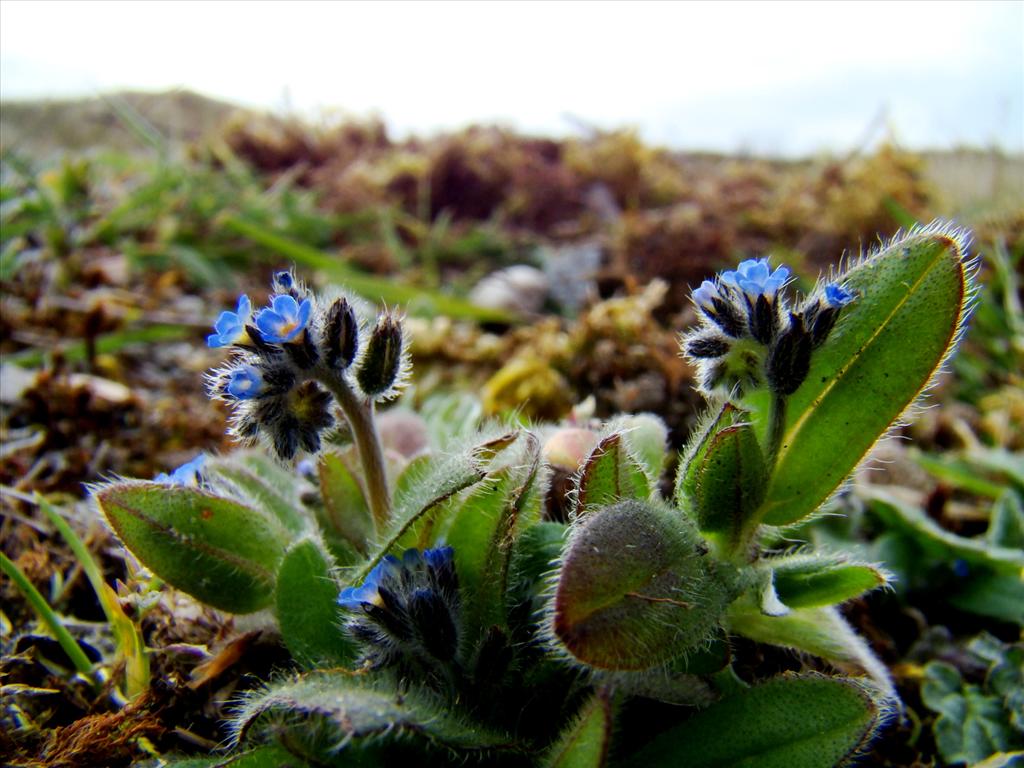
x=755, y=278
x=230, y=326
x=245, y=382
x=284, y=320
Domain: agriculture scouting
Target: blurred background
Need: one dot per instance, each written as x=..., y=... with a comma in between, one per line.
x=788, y=79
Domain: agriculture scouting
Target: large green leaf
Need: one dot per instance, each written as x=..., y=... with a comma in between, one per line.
x=307, y=607
x=788, y=722
x=635, y=588
x=218, y=550
x=911, y=299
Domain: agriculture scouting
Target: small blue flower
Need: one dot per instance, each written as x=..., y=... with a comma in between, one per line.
x=284, y=319
x=230, y=326
x=187, y=474
x=755, y=278
x=284, y=280
x=705, y=296
x=245, y=382
x=836, y=296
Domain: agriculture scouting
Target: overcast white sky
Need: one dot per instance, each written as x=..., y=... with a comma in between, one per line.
x=787, y=78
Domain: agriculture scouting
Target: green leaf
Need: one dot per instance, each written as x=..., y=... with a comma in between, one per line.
x=610, y=475
x=481, y=533
x=818, y=631
x=584, y=744
x=345, y=512
x=729, y=483
x=251, y=482
x=910, y=308
x=1006, y=524
x=307, y=608
x=935, y=539
x=221, y=552
x=996, y=595
x=269, y=756
x=635, y=588
x=646, y=439
x=348, y=711
x=973, y=723
x=788, y=722
x=434, y=484
x=804, y=581
x=713, y=421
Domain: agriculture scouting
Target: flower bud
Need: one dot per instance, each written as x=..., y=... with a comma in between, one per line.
x=381, y=366
x=341, y=335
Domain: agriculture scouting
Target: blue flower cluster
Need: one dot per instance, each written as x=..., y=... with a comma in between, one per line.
x=748, y=336
x=286, y=353
x=406, y=610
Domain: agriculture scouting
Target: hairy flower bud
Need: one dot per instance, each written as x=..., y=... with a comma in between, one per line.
x=341, y=335
x=381, y=366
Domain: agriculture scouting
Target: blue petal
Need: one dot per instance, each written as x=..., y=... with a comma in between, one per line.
x=244, y=308
x=267, y=322
x=705, y=295
x=757, y=272
x=226, y=322
x=305, y=308
x=285, y=306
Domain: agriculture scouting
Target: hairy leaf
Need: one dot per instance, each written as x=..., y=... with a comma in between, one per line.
x=219, y=551
x=804, y=581
x=584, y=744
x=347, y=710
x=911, y=301
x=610, y=475
x=788, y=722
x=307, y=608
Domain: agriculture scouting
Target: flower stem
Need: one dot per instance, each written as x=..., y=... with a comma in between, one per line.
x=776, y=427
x=359, y=414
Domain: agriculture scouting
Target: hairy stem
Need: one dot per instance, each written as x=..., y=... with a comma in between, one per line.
x=776, y=427
x=359, y=414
